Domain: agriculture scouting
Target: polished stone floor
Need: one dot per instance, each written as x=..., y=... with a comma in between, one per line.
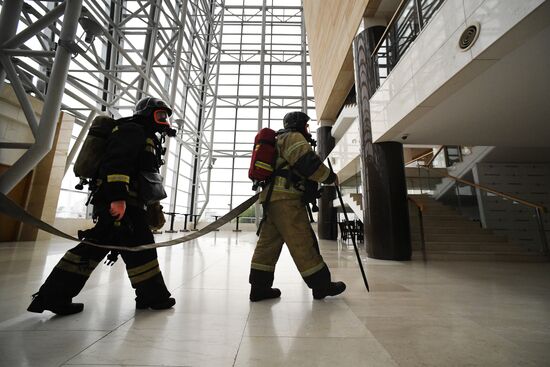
x=435, y=314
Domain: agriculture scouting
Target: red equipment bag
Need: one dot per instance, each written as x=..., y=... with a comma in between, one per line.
x=264, y=154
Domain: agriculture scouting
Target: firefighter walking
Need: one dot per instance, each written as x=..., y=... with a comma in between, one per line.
x=127, y=182
x=298, y=170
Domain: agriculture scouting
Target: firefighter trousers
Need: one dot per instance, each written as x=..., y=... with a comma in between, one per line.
x=73, y=270
x=287, y=222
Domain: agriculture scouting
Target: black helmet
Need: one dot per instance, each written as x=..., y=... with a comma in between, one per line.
x=157, y=110
x=296, y=121
x=146, y=106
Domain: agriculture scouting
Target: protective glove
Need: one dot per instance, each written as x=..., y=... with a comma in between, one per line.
x=118, y=208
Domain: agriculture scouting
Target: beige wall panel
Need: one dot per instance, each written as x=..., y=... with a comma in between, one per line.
x=331, y=26
x=44, y=182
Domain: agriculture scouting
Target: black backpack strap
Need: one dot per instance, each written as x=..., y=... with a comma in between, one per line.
x=278, y=172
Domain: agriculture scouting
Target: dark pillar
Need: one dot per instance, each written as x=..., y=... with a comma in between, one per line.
x=386, y=216
x=327, y=228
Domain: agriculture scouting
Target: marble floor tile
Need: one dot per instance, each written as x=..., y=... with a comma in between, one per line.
x=162, y=347
x=444, y=341
x=312, y=352
x=43, y=348
x=327, y=318
x=417, y=314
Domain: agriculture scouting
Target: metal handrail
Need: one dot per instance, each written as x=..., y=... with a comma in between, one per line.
x=492, y=191
x=420, y=208
x=410, y=17
x=418, y=158
x=389, y=27
x=539, y=209
x=418, y=204
x=435, y=155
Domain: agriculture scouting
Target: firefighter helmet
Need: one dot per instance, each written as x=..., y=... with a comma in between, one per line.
x=295, y=120
x=146, y=106
x=159, y=111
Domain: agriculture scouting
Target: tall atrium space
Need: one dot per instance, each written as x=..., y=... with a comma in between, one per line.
x=274, y=183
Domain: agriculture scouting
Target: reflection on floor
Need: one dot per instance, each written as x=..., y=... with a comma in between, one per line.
x=435, y=314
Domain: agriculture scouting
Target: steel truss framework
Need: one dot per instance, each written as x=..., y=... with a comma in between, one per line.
x=114, y=52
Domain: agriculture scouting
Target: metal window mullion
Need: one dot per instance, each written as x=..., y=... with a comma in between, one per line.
x=207, y=145
x=304, y=67
x=149, y=47
x=176, y=76
x=191, y=89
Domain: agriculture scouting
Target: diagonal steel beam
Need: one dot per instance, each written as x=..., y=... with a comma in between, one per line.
x=21, y=95
x=9, y=18
x=35, y=27
x=52, y=104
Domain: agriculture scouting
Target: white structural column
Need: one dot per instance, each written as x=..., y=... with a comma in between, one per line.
x=9, y=18
x=52, y=104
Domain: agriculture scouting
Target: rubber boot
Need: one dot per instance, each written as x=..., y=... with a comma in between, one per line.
x=39, y=305
x=57, y=292
x=152, y=293
x=334, y=289
x=161, y=305
x=322, y=286
x=260, y=286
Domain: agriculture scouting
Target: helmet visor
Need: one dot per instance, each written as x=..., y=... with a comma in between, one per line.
x=161, y=118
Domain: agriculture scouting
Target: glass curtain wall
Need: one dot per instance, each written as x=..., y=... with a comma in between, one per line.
x=264, y=73
x=166, y=49
x=228, y=68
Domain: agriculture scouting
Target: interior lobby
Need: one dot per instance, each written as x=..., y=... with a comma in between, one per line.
x=433, y=115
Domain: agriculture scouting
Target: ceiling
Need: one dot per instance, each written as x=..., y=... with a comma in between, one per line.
x=384, y=9
x=501, y=103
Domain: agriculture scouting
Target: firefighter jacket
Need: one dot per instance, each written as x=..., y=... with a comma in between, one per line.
x=294, y=153
x=131, y=149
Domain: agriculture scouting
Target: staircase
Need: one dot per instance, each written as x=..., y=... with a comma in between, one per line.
x=352, y=201
x=450, y=236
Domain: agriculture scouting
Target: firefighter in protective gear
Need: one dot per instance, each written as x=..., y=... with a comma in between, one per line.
x=285, y=216
x=134, y=150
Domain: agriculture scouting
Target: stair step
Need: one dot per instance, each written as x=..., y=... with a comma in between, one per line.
x=472, y=247
x=450, y=230
x=464, y=226
x=480, y=256
x=460, y=237
x=444, y=217
x=451, y=236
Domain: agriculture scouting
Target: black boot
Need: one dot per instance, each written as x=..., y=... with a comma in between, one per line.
x=260, y=285
x=259, y=294
x=321, y=284
x=333, y=289
x=152, y=293
x=160, y=305
x=39, y=305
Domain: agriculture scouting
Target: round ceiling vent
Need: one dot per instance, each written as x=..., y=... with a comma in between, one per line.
x=469, y=37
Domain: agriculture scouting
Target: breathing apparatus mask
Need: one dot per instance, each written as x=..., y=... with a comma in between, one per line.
x=162, y=122
x=159, y=112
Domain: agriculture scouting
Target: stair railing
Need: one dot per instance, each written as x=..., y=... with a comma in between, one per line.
x=429, y=163
x=538, y=209
x=420, y=209
x=410, y=17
